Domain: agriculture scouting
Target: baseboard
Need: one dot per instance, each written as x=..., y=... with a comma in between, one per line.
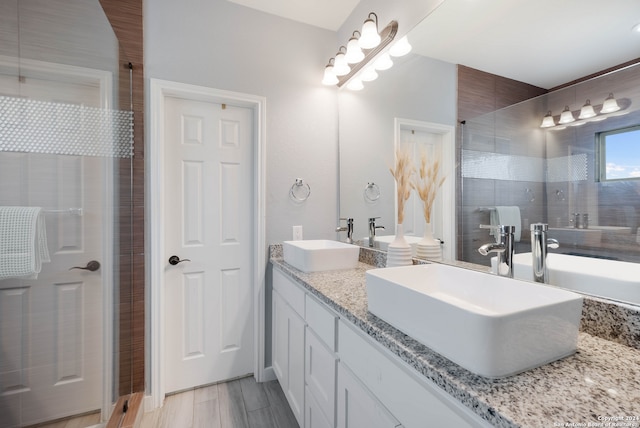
x=268, y=374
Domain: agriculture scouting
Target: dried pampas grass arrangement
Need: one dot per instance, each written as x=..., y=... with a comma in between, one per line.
x=403, y=173
x=427, y=182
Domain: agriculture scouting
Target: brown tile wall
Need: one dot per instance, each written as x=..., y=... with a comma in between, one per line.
x=125, y=17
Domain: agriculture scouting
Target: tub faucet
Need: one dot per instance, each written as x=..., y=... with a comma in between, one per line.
x=503, y=247
x=348, y=228
x=539, y=245
x=372, y=230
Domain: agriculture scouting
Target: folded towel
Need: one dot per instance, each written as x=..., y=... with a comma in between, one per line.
x=507, y=216
x=23, y=242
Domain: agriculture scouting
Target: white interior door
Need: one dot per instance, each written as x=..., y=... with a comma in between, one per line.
x=208, y=225
x=51, y=327
x=419, y=141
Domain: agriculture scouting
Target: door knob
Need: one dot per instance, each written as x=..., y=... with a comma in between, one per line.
x=174, y=260
x=92, y=266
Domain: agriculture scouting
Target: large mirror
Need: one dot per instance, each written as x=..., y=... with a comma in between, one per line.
x=581, y=180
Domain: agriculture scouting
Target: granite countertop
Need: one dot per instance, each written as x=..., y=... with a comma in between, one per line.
x=599, y=382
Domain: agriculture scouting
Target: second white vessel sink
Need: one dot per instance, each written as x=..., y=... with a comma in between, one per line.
x=490, y=325
x=316, y=255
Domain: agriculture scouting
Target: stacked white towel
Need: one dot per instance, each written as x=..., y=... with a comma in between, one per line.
x=23, y=242
x=507, y=216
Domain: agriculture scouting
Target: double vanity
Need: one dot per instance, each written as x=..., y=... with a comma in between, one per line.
x=437, y=345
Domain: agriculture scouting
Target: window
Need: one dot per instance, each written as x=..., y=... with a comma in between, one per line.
x=619, y=154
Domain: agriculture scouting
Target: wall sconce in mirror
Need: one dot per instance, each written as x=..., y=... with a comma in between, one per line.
x=368, y=52
x=587, y=113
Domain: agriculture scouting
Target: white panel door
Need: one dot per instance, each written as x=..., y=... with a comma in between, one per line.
x=419, y=141
x=51, y=332
x=208, y=226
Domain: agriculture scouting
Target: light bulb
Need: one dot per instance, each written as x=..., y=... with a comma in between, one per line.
x=566, y=116
x=610, y=105
x=355, y=85
x=330, y=77
x=340, y=66
x=354, y=53
x=587, y=111
x=547, y=121
x=383, y=62
x=400, y=48
x=369, y=37
x=369, y=74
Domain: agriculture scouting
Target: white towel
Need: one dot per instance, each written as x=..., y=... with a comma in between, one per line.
x=507, y=216
x=23, y=242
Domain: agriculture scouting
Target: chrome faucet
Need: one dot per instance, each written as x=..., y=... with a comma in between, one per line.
x=348, y=228
x=372, y=230
x=539, y=245
x=503, y=247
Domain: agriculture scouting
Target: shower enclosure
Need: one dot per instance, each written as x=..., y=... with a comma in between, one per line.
x=66, y=148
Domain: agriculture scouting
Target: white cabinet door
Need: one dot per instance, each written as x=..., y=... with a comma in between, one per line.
x=313, y=416
x=288, y=354
x=320, y=372
x=357, y=408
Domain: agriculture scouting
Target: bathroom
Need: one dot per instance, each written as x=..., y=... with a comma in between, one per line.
x=217, y=48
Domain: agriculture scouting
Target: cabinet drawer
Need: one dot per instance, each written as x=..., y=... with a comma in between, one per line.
x=290, y=291
x=388, y=378
x=320, y=374
x=322, y=321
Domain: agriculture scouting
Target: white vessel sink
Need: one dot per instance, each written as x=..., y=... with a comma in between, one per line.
x=382, y=242
x=606, y=278
x=490, y=325
x=570, y=236
x=320, y=255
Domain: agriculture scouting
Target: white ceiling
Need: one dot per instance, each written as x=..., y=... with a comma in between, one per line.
x=328, y=14
x=542, y=42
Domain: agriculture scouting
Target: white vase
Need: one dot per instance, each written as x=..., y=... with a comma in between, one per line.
x=429, y=247
x=399, y=251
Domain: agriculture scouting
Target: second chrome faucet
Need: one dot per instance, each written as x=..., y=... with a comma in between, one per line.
x=503, y=247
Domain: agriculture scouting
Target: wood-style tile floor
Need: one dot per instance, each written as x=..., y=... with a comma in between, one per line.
x=241, y=403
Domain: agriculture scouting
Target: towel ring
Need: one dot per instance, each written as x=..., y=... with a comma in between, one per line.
x=530, y=194
x=300, y=191
x=371, y=192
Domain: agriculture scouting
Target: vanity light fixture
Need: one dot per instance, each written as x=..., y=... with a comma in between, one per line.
x=587, y=113
x=373, y=56
x=610, y=105
x=369, y=37
x=566, y=116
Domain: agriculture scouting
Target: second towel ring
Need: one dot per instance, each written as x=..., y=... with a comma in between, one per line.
x=300, y=191
x=371, y=192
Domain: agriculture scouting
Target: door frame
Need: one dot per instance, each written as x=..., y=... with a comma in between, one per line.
x=154, y=330
x=449, y=186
